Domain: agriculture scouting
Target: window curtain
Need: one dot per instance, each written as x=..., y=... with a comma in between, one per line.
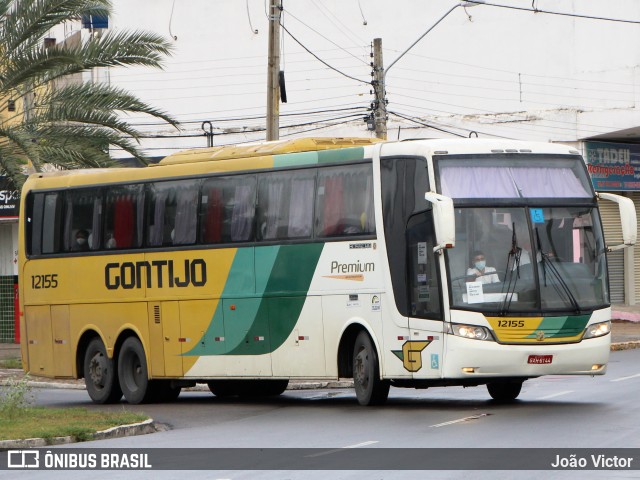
x=275, y=205
x=156, y=230
x=477, y=182
x=213, y=221
x=242, y=215
x=369, y=222
x=68, y=239
x=514, y=182
x=123, y=222
x=301, y=208
x=186, y=217
x=548, y=182
x=96, y=224
x=333, y=205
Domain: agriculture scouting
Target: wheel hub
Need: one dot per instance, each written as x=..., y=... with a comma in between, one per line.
x=98, y=369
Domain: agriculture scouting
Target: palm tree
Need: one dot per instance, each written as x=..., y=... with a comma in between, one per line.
x=69, y=124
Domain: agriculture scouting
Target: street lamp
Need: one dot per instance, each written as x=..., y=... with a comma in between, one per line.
x=465, y=4
x=380, y=115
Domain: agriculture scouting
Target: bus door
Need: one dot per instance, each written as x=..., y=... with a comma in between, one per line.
x=423, y=355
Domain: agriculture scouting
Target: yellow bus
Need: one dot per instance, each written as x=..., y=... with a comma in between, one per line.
x=414, y=264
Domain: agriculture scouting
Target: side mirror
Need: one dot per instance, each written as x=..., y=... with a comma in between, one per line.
x=443, y=219
x=628, y=219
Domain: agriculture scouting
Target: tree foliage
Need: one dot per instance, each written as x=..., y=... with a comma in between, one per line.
x=59, y=119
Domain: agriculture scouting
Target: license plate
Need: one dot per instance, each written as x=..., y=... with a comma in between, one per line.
x=540, y=359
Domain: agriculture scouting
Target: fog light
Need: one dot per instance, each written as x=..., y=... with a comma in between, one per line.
x=597, y=366
x=469, y=370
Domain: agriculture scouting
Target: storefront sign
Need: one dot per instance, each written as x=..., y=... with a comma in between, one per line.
x=613, y=166
x=9, y=200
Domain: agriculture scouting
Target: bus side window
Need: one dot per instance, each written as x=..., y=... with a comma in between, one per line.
x=82, y=220
x=173, y=213
x=345, y=201
x=35, y=209
x=227, y=209
x=285, y=205
x=51, y=222
x=186, y=213
x=124, y=206
x=423, y=282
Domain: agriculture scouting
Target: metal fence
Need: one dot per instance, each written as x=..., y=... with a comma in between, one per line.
x=7, y=321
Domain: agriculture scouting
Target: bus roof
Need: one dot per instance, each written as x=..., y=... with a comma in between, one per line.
x=304, y=151
x=278, y=147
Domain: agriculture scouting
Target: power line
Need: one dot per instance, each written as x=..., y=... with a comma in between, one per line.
x=563, y=14
x=425, y=124
x=326, y=38
x=322, y=61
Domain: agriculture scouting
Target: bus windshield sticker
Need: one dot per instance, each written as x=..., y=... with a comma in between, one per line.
x=474, y=292
x=422, y=253
x=537, y=215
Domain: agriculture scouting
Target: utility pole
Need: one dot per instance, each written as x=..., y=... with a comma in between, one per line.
x=380, y=104
x=273, y=70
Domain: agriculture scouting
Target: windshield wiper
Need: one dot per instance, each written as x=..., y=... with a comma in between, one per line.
x=514, y=254
x=546, y=262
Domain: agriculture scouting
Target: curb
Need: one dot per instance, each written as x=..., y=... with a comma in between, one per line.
x=142, y=428
x=625, y=345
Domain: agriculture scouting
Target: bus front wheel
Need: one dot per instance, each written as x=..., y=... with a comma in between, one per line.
x=505, y=391
x=132, y=371
x=370, y=389
x=100, y=374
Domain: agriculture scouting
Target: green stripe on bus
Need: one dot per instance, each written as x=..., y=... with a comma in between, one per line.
x=322, y=156
x=559, y=327
x=341, y=155
x=259, y=325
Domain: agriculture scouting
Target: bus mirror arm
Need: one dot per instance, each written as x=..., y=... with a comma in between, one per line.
x=443, y=220
x=628, y=219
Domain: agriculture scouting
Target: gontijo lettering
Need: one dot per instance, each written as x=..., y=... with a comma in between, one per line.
x=157, y=273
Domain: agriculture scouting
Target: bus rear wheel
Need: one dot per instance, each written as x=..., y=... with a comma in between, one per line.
x=370, y=389
x=132, y=371
x=505, y=392
x=100, y=374
x=164, y=391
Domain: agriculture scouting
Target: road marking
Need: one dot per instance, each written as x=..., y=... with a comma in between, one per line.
x=460, y=420
x=554, y=395
x=621, y=379
x=329, y=452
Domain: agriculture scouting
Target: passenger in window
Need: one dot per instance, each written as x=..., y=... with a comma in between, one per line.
x=479, y=272
x=82, y=241
x=111, y=242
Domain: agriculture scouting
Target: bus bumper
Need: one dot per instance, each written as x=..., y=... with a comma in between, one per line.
x=467, y=358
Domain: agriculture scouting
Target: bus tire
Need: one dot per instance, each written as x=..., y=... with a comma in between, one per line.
x=100, y=375
x=269, y=388
x=370, y=389
x=163, y=391
x=247, y=388
x=505, y=392
x=132, y=372
x=223, y=388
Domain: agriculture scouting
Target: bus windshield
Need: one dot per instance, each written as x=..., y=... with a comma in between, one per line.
x=510, y=260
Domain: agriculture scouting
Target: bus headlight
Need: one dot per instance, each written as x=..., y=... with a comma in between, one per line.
x=470, y=331
x=597, y=329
